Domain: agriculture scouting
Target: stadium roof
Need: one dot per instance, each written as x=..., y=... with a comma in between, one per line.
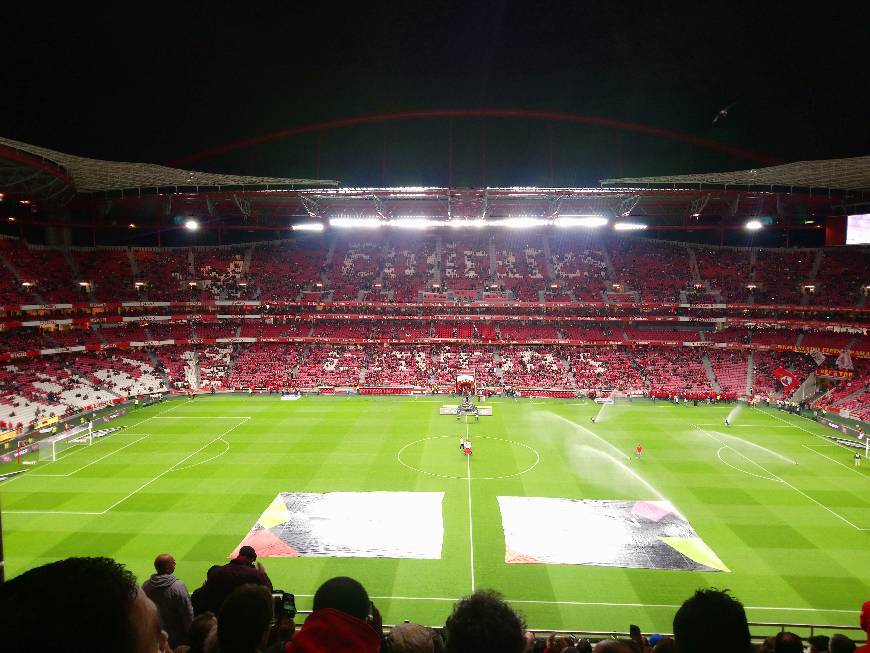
x=64, y=175
x=836, y=174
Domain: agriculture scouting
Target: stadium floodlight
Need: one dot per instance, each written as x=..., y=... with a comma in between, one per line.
x=415, y=223
x=629, y=226
x=520, y=222
x=754, y=225
x=26, y=284
x=11, y=218
x=476, y=223
x=191, y=224
x=307, y=226
x=580, y=221
x=363, y=223
x=132, y=225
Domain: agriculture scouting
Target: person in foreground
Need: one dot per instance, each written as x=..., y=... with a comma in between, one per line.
x=78, y=605
x=864, y=622
x=712, y=621
x=245, y=620
x=171, y=598
x=241, y=570
x=483, y=623
x=342, y=620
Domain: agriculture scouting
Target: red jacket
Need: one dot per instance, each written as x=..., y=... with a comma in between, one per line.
x=332, y=631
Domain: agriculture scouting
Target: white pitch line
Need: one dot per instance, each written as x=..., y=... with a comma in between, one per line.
x=782, y=480
x=448, y=599
x=93, y=462
x=797, y=426
x=470, y=518
x=138, y=489
x=851, y=468
x=187, y=457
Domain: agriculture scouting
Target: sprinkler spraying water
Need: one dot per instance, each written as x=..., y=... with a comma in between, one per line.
x=733, y=414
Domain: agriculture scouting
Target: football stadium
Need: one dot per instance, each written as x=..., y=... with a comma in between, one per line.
x=659, y=387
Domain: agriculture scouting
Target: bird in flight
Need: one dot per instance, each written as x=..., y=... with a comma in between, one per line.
x=723, y=113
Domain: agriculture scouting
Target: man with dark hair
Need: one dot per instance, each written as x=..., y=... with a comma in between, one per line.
x=786, y=642
x=77, y=605
x=239, y=571
x=342, y=619
x=711, y=621
x=245, y=620
x=483, y=623
x=171, y=598
x=841, y=644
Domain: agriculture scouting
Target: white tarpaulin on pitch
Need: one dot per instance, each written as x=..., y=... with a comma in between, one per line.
x=350, y=525
x=610, y=533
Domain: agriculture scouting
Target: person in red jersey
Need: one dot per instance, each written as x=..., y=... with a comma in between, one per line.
x=865, y=625
x=638, y=451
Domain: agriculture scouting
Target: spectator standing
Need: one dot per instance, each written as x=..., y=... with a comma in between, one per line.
x=172, y=599
x=241, y=570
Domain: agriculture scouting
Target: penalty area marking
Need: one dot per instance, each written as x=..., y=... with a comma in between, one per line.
x=779, y=479
x=469, y=477
x=138, y=489
x=851, y=468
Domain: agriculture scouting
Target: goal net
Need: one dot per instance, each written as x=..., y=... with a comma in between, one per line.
x=52, y=447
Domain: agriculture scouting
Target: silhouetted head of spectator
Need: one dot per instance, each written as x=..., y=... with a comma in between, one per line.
x=818, y=643
x=786, y=642
x=245, y=619
x=664, y=645
x=344, y=594
x=613, y=646
x=841, y=644
x=107, y=605
x=584, y=646
x=411, y=638
x=711, y=621
x=202, y=629
x=248, y=554
x=164, y=564
x=483, y=622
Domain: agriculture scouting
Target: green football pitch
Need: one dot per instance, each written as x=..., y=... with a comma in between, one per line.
x=782, y=508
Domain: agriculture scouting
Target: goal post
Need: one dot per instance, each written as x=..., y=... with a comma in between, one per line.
x=50, y=448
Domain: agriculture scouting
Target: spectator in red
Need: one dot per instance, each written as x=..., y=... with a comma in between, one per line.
x=865, y=625
x=342, y=619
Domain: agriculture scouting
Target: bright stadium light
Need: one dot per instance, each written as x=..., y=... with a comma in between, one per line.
x=307, y=226
x=363, y=223
x=460, y=223
x=520, y=222
x=754, y=225
x=580, y=221
x=629, y=226
x=191, y=225
x=415, y=223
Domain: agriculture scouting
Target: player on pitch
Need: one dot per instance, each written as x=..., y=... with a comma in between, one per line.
x=468, y=447
x=638, y=450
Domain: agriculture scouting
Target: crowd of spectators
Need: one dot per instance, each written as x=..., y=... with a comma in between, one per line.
x=237, y=610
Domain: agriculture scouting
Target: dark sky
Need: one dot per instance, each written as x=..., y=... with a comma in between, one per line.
x=175, y=79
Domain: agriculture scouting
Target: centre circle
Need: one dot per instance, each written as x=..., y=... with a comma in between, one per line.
x=493, y=458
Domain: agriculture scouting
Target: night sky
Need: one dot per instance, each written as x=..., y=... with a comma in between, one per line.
x=176, y=79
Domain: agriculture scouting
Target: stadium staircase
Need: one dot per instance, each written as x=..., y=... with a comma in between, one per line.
x=77, y=275
x=551, y=273
x=753, y=258
x=750, y=373
x=155, y=363
x=711, y=376
x=799, y=340
x=95, y=328
x=197, y=373
x=693, y=266
x=853, y=395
